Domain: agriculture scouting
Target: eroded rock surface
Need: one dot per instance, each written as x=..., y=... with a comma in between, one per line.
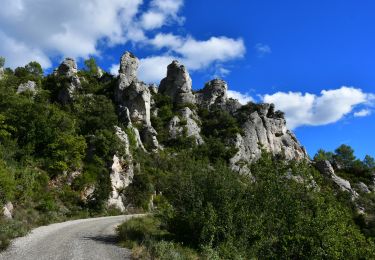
x=68, y=70
x=325, y=168
x=265, y=130
x=186, y=124
x=27, y=86
x=214, y=93
x=131, y=93
x=177, y=84
x=8, y=210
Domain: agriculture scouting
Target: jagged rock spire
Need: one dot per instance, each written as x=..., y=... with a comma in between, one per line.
x=68, y=69
x=214, y=92
x=177, y=84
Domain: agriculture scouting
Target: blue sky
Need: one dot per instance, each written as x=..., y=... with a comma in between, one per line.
x=314, y=59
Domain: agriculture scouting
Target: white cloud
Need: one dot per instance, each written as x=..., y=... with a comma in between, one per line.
x=166, y=40
x=67, y=28
x=262, y=49
x=309, y=109
x=194, y=54
x=45, y=29
x=153, y=69
x=161, y=12
x=363, y=113
x=242, y=98
x=200, y=54
x=114, y=69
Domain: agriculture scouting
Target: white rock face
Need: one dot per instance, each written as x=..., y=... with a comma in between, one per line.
x=264, y=130
x=177, y=84
x=214, y=93
x=121, y=177
x=1, y=73
x=122, y=172
x=131, y=93
x=186, y=125
x=68, y=70
x=326, y=169
x=149, y=137
x=28, y=86
x=8, y=210
x=363, y=187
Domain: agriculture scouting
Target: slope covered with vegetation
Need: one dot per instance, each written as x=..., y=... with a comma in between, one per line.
x=200, y=207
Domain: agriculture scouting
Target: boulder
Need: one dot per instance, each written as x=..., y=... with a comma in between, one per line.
x=2, y=73
x=8, y=210
x=177, y=84
x=28, y=86
x=68, y=71
x=214, y=93
x=131, y=93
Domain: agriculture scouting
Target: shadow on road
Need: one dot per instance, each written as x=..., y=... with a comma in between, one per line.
x=107, y=239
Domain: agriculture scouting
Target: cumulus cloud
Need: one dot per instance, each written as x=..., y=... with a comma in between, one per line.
x=69, y=28
x=160, y=13
x=194, y=54
x=44, y=29
x=242, y=98
x=310, y=109
x=153, y=69
x=363, y=113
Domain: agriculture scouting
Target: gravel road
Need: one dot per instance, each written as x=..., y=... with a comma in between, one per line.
x=78, y=239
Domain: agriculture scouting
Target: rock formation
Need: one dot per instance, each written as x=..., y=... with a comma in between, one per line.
x=325, y=168
x=68, y=71
x=121, y=172
x=185, y=125
x=28, y=86
x=8, y=210
x=264, y=129
x=2, y=73
x=131, y=93
x=177, y=84
x=214, y=93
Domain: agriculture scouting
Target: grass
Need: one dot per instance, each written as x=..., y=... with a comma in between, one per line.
x=148, y=240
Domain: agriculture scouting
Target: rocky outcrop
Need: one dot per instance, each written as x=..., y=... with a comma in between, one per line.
x=68, y=71
x=8, y=210
x=185, y=125
x=214, y=93
x=325, y=168
x=149, y=137
x=125, y=118
x=177, y=84
x=131, y=93
x=29, y=86
x=122, y=172
x=264, y=129
x=362, y=188
x=2, y=73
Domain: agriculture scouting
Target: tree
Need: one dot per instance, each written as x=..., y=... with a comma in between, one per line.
x=344, y=155
x=91, y=66
x=369, y=162
x=322, y=155
x=34, y=68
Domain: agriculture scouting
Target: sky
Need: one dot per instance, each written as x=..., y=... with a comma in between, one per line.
x=314, y=59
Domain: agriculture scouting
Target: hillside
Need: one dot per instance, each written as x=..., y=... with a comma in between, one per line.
x=223, y=179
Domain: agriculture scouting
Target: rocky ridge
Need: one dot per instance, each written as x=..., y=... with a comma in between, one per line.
x=261, y=129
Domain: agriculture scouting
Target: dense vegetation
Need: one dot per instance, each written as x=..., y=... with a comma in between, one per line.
x=41, y=141
x=200, y=208
x=279, y=213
